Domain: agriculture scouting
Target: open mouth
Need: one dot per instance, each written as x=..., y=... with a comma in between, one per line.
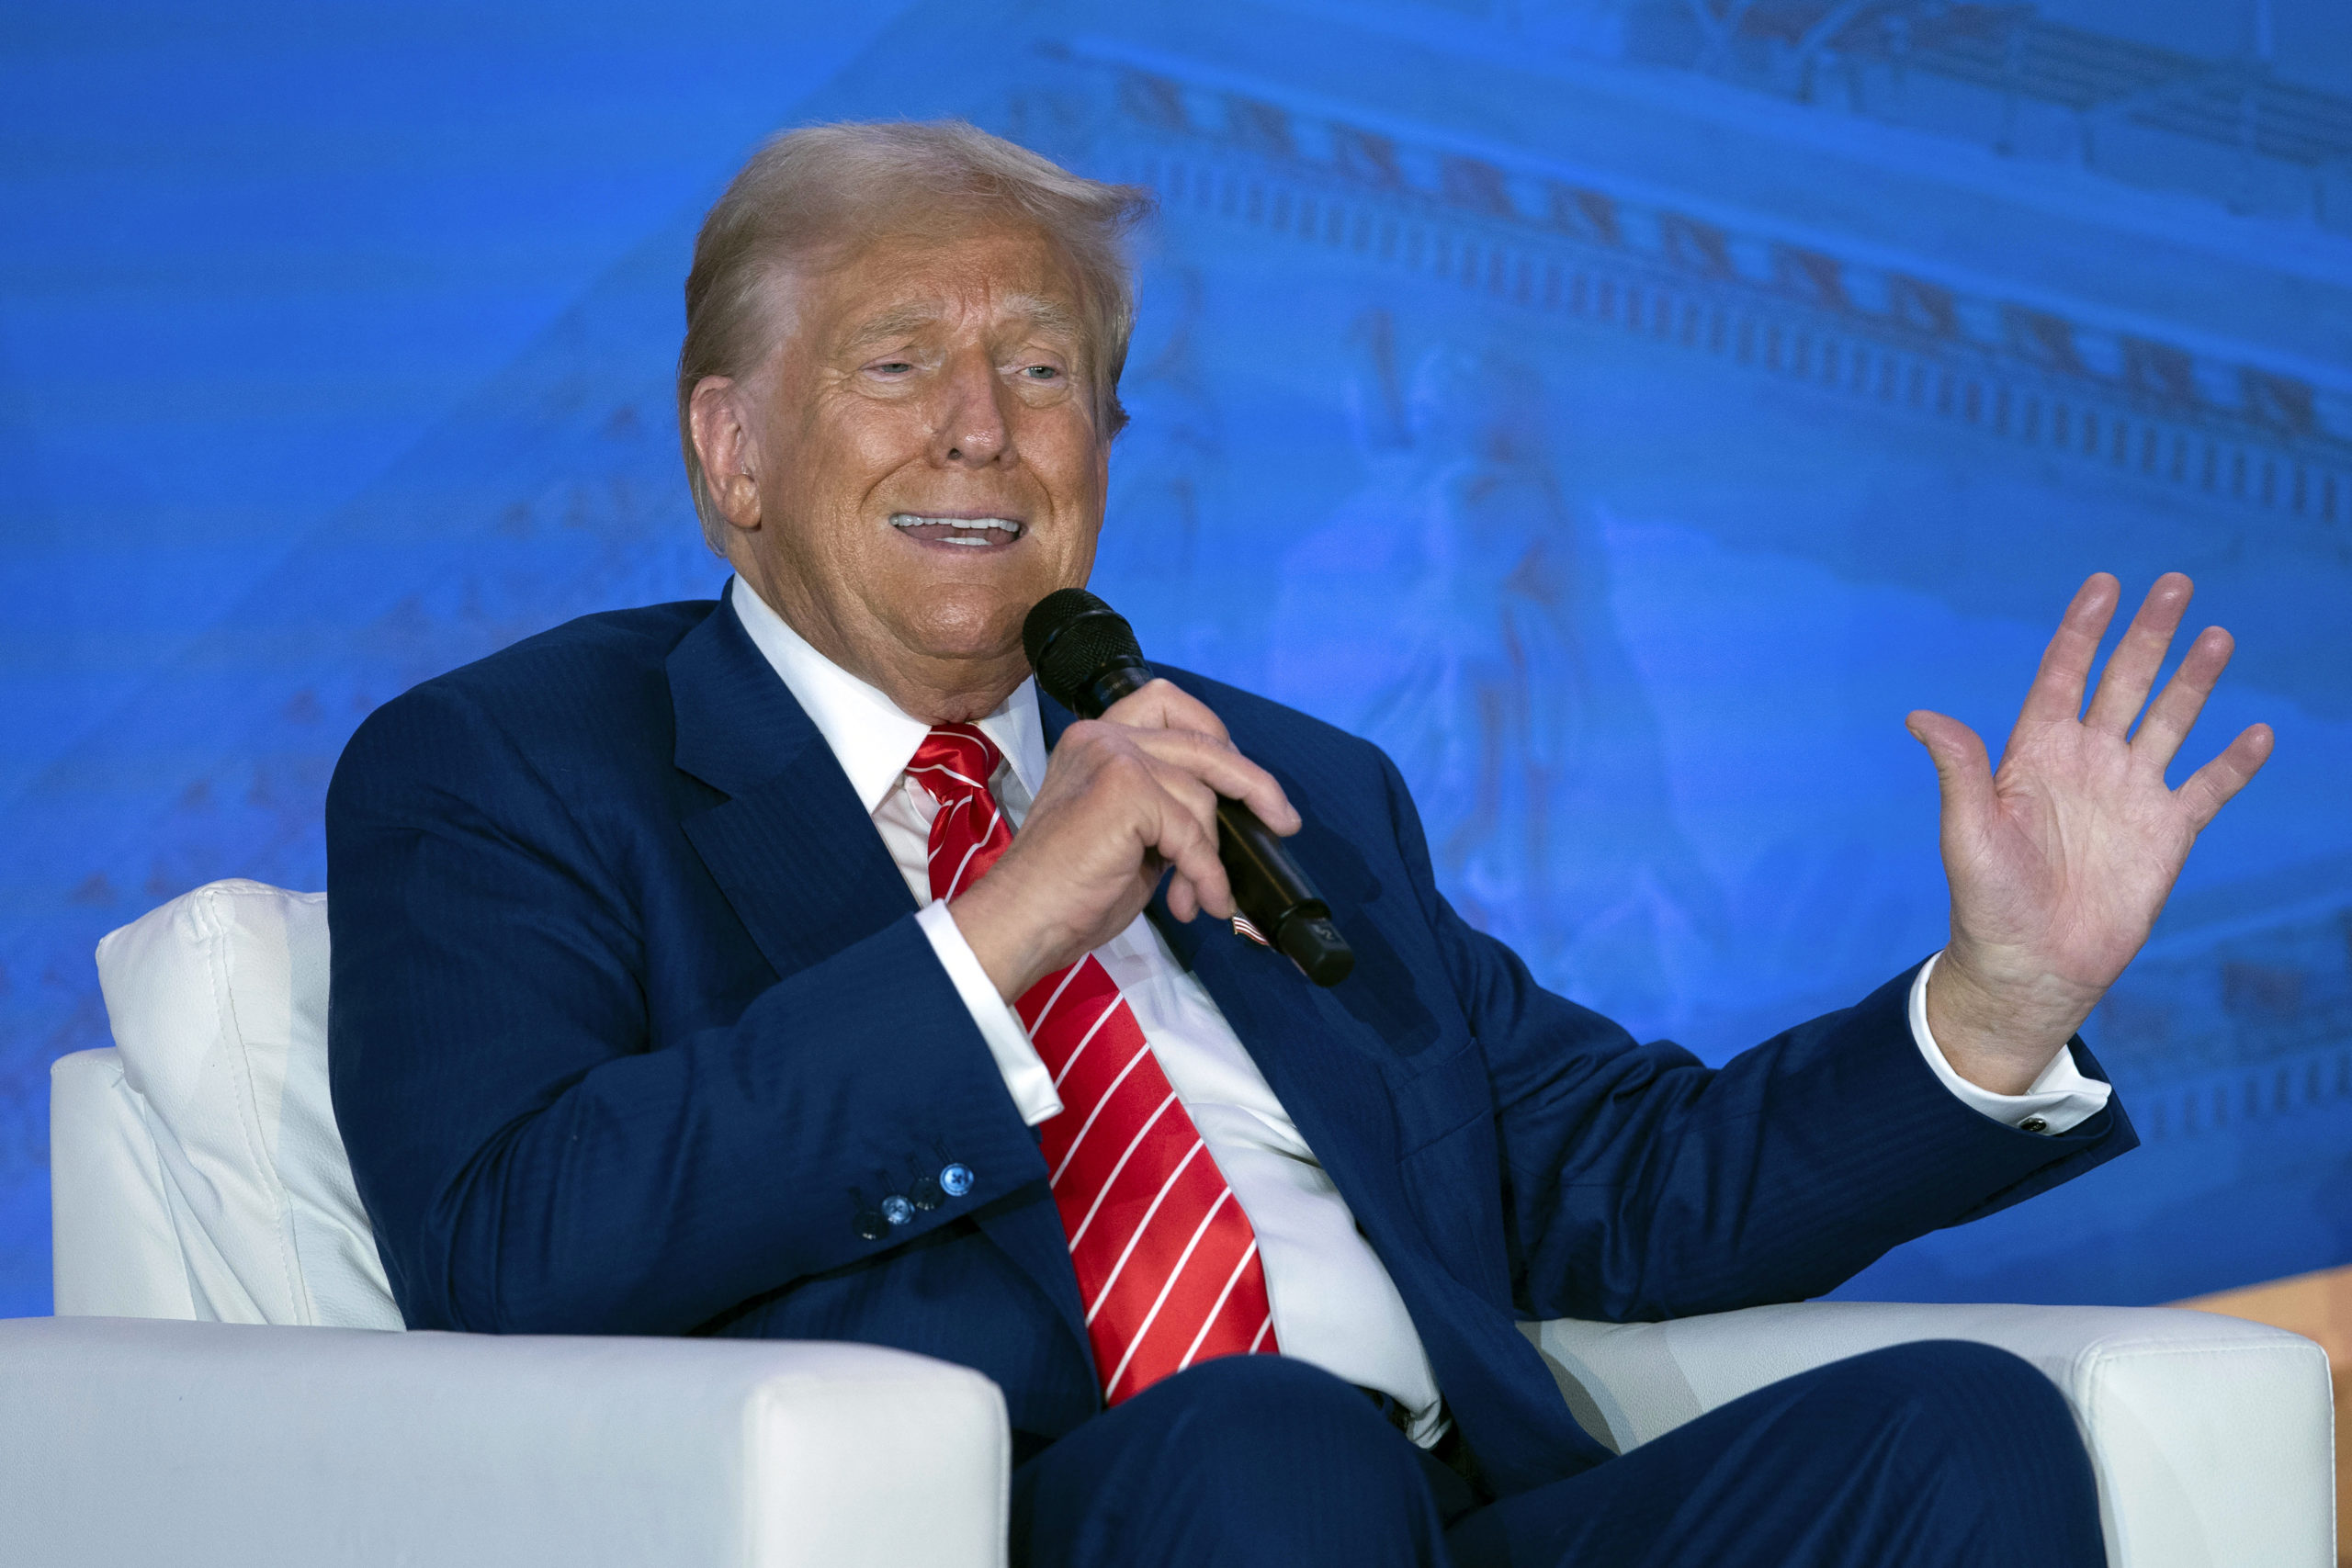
x=973, y=533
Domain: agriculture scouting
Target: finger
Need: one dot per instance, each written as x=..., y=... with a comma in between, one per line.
x=1180, y=900
x=1162, y=705
x=2209, y=789
x=2183, y=698
x=1190, y=849
x=2056, y=694
x=2131, y=668
x=1189, y=794
x=1223, y=770
x=1963, y=774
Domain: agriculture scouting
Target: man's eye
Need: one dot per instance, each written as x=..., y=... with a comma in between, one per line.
x=1042, y=372
x=893, y=366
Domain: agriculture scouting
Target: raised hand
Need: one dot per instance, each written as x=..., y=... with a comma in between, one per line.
x=2060, y=860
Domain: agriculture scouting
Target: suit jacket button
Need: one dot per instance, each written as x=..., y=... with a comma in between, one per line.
x=869, y=1224
x=957, y=1178
x=897, y=1209
x=924, y=1194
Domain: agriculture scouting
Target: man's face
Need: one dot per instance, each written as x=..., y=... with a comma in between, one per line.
x=924, y=460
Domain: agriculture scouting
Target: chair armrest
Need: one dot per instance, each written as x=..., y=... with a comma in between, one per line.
x=130, y=1440
x=2211, y=1437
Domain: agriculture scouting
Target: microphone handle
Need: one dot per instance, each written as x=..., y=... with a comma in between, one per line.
x=1268, y=889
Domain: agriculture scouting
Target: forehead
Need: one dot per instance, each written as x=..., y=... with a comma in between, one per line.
x=900, y=285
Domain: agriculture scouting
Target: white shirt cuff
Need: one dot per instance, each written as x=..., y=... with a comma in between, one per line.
x=1025, y=1075
x=2060, y=1099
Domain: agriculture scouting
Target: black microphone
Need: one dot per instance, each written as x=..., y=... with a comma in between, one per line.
x=1087, y=658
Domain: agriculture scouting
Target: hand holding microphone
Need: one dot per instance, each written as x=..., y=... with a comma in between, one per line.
x=1153, y=785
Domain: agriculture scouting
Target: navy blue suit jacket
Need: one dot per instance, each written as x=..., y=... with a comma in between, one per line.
x=631, y=1016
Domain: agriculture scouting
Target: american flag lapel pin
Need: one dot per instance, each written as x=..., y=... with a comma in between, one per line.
x=1241, y=927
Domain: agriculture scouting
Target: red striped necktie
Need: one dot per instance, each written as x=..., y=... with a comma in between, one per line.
x=1167, y=1264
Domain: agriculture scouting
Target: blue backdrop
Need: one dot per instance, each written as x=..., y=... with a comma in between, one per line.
x=1625, y=410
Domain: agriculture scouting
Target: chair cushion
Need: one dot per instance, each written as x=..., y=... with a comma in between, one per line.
x=219, y=1003
x=115, y=1250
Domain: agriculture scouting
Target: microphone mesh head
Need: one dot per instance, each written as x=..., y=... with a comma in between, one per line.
x=1072, y=637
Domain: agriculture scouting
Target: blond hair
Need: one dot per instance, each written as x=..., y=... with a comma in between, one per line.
x=810, y=198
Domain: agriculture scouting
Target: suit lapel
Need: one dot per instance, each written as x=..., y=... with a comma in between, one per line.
x=1328, y=1067
x=803, y=868
x=792, y=847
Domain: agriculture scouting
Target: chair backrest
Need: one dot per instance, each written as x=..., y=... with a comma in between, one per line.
x=195, y=1169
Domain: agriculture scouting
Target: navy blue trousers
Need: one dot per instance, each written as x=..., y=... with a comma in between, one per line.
x=1931, y=1455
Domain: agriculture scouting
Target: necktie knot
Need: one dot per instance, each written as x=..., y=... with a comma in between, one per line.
x=954, y=763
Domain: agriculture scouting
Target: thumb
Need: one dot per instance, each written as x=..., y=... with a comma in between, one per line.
x=1963, y=772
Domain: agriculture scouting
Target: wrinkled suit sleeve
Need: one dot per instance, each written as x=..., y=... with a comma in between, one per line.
x=1642, y=1184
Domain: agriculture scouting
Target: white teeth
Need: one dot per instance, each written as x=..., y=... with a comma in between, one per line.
x=962, y=524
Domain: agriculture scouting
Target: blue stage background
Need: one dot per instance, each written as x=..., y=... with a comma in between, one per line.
x=1625, y=410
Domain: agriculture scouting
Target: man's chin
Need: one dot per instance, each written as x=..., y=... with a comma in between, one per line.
x=964, y=633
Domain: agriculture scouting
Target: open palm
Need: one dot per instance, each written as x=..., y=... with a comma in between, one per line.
x=2060, y=860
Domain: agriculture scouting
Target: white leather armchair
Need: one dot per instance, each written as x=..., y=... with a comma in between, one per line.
x=224, y=1383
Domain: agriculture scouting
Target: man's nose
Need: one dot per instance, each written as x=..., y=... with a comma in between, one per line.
x=974, y=428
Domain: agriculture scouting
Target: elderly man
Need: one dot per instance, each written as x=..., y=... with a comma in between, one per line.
x=787, y=966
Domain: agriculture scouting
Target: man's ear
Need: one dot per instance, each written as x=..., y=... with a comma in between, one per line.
x=723, y=441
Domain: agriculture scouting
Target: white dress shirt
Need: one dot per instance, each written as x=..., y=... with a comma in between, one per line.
x=1333, y=1302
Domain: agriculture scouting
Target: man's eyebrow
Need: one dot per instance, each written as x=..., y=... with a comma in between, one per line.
x=1051, y=314
x=892, y=323
x=1040, y=310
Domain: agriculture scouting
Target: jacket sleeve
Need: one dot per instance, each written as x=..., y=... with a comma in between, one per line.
x=533, y=1161
x=1642, y=1184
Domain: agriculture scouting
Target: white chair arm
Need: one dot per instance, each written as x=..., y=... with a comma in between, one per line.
x=130, y=1440
x=2211, y=1437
